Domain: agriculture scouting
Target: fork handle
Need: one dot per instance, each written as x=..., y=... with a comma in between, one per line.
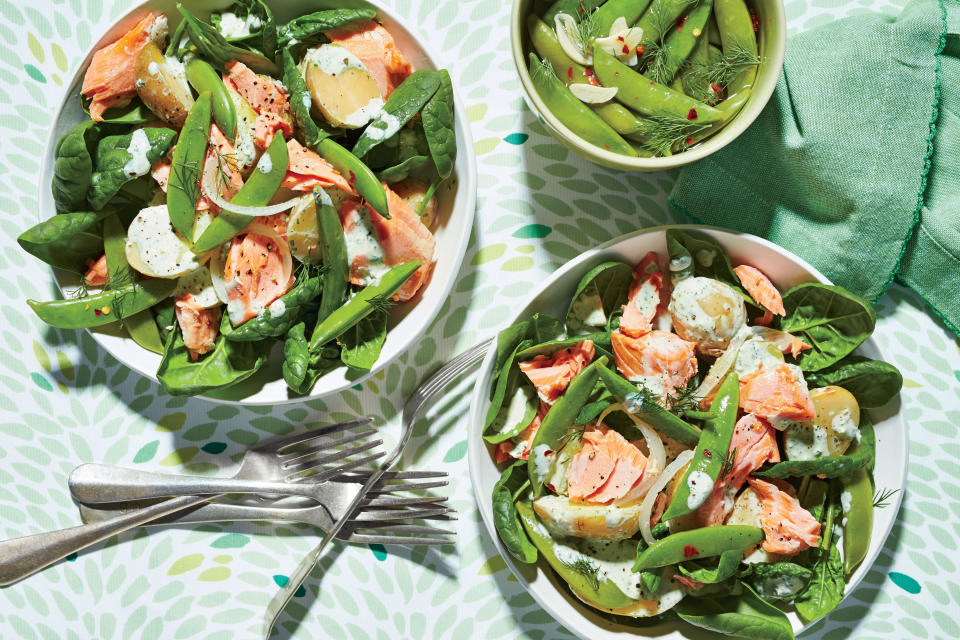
x=21, y=557
x=101, y=483
x=210, y=512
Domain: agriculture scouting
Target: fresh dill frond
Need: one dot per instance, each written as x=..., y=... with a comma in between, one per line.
x=707, y=80
x=586, y=569
x=588, y=27
x=728, y=461
x=662, y=134
x=655, y=56
x=881, y=499
x=226, y=163
x=685, y=398
x=541, y=70
x=381, y=302
x=574, y=434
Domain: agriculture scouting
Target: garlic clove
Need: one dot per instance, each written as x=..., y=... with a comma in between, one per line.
x=591, y=94
x=568, y=33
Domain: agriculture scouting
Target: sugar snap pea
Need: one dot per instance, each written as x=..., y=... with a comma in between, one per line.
x=202, y=76
x=512, y=482
x=361, y=304
x=738, y=37
x=711, y=452
x=334, y=254
x=648, y=410
x=830, y=466
x=609, y=11
x=358, y=173
x=660, y=18
x=104, y=307
x=558, y=422
x=183, y=188
x=680, y=43
x=857, y=503
x=573, y=113
x=646, y=97
x=256, y=192
x=402, y=105
x=697, y=543
x=571, y=8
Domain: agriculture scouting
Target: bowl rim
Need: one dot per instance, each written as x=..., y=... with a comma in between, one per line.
x=478, y=454
x=762, y=91
x=466, y=179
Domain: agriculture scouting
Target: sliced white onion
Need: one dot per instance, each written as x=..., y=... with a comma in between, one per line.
x=568, y=33
x=722, y=366
x=654, y=444
x=646, y=507
x=218, y=263
x=212, y=191
x=592, y=94
x=782, y=339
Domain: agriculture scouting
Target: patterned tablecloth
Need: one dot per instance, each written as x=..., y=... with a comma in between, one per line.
x=65, y=401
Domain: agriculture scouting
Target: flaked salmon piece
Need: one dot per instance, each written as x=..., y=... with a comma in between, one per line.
x=788, y=528
x=266, y=125
x=606, y=468
x=306, y=169
x=260, y=91
x=198, y=326
x=760, y=288
x=551, y=374
x=753, y=443
x=689, y=583
x=644, y=299
x=376, y=49
x=111, y=79
x=277, y=221
x=786, y=342
x=777, y=394
x=254, y=275
x=96, y=275
x=161, y=173
x=402, y=238
x=660, y=360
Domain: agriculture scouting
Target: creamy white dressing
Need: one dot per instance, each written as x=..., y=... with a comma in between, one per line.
x=364, y=114
x=232, y=26
x=693, y=322
x=153, y=69
x=843, y=425
x=163, y=252
x=655, y=384
x=277, y=308
x=333, y=59
x=199, y=285
x=588, y=308
x=541, y=462
x=265, y=165
x=700, y=485
x=846, y=501
x=391, y=124
x=361, y=242
x=805, y=441
x=756, y=353
x=612, y=559
x=138, y=164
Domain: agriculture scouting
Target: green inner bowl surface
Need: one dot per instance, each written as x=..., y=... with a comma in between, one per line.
x=771, y=40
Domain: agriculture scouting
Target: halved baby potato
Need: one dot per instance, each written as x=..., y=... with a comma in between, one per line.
x=747, y=511
x=244, y=148
x=603, y=522
x=412, y=191
x=162, y=85
x=303, y=233
x=835, y=427
x=154, y=249
x=342, y=89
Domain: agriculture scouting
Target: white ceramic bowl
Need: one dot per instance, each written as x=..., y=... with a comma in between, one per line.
x=785, y=270
x=456, y=204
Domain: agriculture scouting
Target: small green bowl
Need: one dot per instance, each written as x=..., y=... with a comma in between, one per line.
x=772, y=38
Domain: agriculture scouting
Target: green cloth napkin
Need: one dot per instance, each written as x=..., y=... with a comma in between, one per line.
x=854, y=164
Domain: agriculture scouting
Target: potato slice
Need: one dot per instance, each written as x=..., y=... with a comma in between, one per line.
x=413, y=191
x=836, y=425
x=155, y=249
x=303, y=233
x=342, y=89
x=244, y=148
x=599, y=522
x=162, y=85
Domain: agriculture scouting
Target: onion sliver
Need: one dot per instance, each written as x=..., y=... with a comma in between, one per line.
x=218, y=263
x=654, y=444
x=211, y=190
x=646, y=507
x=721, y=366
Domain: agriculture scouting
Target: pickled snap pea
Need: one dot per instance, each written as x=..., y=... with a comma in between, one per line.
x=334, y=250
x=830, y=466
x=711, y=452
x=571, y=8
x=697, y=543
x=648, y=410
x=104, y=307
x=204, y=78
x=358, y=173
x=729, y=108
x=256, y=192
x=572, y=112
x=738, y=37
x=609, y=11
x=183, y=188
x=680, y=43
x=140, y=325
x=512, y=483
x=646, y=97
x=857, y=517
x=660, y=18
x=557, y=423
x=361, y=304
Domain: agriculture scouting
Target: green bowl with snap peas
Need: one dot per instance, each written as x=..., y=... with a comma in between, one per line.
x=692, y=89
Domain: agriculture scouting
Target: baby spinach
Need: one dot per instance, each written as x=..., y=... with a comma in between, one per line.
x=300, y=101
x=402, y=154
x=872, y=382
x=777, y=580
x=301, y=368
x=516, y=411
x=437, y=117
x=266, y=34
x=212, y=46
x=725, y=568
x=133, y=113
x=403, y=104
x=744, y=616
x=66, y=240
x=73, y=165
x=507, y=381
x=707, y=259
x=164, y=314
x=830, y=319
x=601, y=292
x=513, y=481
x=111, y=162
x=825, y=589
x=400, y=171
x=228, y=363
x=313, y=25
x=830, y=466
x=277, y=318
x=361, y=344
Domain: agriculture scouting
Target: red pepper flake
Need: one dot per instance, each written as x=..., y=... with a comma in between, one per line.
x=754, y=21
x=681, y=22
x=96, y=312
x=689, y=140
x=707, y=454
x=607, y=145
x=588, y=72
x=689, y=551
x=569, y=74
x=626, y=49
x=640, y=50
x=692, y=114
x=547, y=453
x=353, y=177
x=715, y=88
x=551, y=487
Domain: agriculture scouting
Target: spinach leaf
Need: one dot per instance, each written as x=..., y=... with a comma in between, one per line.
x=726, y=567
x=214, y=47
x=66, y=240
x=825, y=589
x=277, y=318
x=505, y=386
x=300, y=101
x=537, y=329
x=516, y=412
x=777, y=580
x=830, y=466
x=873, y=383
x=512, y=482
x=313, y=25
x=73, y=165
x=830, y=319
x=437, y=117
x=134, y=113
x=301, y=369
x=267, y=32
x=542, y=327
x=706, y=258
x=744, y=616
x=601, y=291
x=361, y=344
x=165, y=316
x=401, y=171
x=403, y=104
x=228, y=363
x=112, y=171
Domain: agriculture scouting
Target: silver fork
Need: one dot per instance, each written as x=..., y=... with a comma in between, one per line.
x=421, y=395
x=21, y=557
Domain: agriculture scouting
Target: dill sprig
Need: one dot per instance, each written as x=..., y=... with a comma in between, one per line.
x=663, y=134
x=728, y=461
x=226, y=162
x=881, y=499
x=705, y=79
x=586, y=569
x=381, y=302
x=685, y=398
x=588, y=27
